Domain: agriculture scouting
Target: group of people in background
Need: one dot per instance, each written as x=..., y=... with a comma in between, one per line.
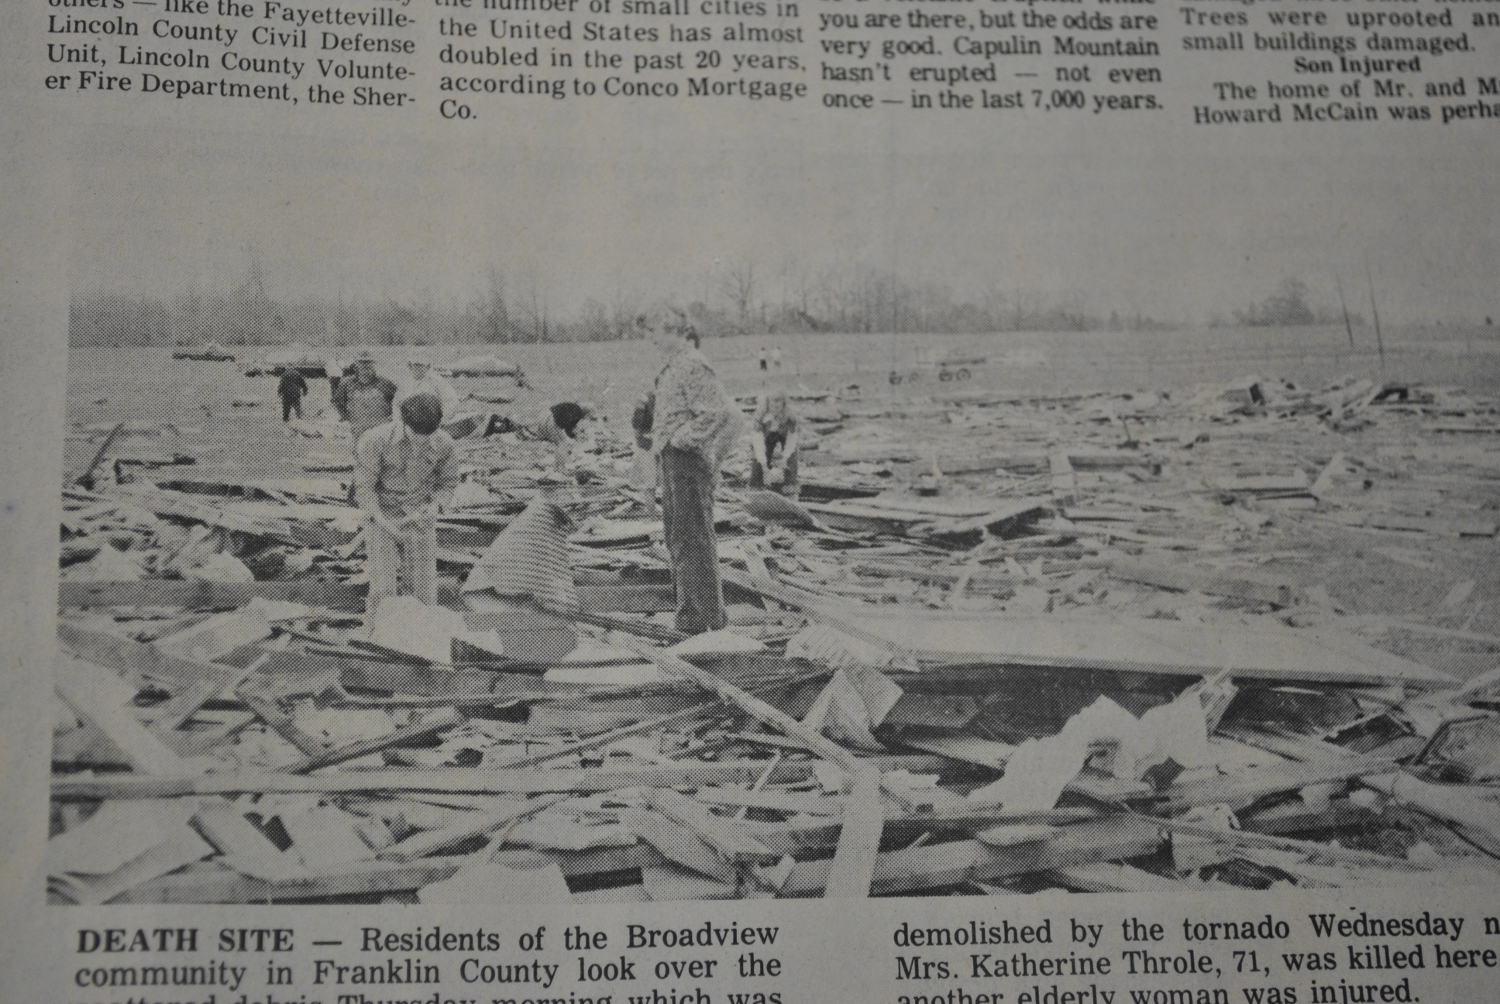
x=771, y=361
x=406, y=466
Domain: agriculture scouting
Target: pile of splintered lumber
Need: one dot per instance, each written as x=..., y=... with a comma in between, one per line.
x=998, y=644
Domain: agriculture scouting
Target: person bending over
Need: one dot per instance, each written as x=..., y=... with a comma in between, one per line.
x=405, y=474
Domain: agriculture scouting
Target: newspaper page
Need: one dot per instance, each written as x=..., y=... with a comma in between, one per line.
x=750, y=501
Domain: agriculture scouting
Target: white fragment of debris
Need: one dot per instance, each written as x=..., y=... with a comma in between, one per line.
x=722, y=642
x=821, y=643
x=118, y=832
x=855, y=700
x=406, y=624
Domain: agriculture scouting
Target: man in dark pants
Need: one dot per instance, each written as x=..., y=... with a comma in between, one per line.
x=290, y=389
x=694, y=426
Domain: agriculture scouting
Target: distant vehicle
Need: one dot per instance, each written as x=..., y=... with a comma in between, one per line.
x=485, y=366
x=949, y=367
x=210, y=353
x=294, y=357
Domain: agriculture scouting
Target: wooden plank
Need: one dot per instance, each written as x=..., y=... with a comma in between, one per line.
x=446, y=718
x=936, y=865
x=859, y=840
x=969, y=749
x=250, y=851
x=1183, y=577
x=86, y=478
x=1332, y=852
x=1247, y=786
x=1105, y=876
x=750, y=704
x=360, y=670
x=1468, y=807
x=343, y=596
x=627, y=598
x=726, y=836
x=211, y=882
x=190, y=682
x=605, y=738
x=678, y=843
x=509, y=811
x=497, y=782
x=83, y=685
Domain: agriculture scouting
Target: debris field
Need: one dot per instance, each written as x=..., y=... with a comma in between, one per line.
x=998, y=644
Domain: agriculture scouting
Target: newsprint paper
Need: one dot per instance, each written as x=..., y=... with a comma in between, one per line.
x=750, y=501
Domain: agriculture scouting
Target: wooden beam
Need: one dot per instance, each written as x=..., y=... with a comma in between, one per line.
x=605, y=738
x=83, y=685
x=497, y=782
x=190, y=682
x=211, y=882
x=751, y=705
x=859, y=840
x=935, y=865
x=509, y=811
x=678, y=843
x=344, y=596
x=444, y=719
x=726, y=836
x=86, y=478
x=609, y=598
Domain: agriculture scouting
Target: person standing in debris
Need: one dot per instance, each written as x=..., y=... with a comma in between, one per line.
x=405, y=474
x=364, y=398
x=423, y=379
x=764, y=359
x=773, y=443
x=694, y=425
x=290, y=388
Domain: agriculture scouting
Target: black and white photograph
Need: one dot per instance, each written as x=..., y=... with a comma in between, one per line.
x=644, y=523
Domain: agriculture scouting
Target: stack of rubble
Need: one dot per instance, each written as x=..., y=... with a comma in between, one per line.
x=997, y=644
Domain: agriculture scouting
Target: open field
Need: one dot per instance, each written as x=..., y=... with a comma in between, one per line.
x=106, y=385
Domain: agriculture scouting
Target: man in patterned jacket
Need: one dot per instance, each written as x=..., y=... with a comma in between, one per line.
x=694, y=426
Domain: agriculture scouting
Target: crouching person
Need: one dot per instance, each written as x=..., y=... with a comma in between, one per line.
x=405, y=474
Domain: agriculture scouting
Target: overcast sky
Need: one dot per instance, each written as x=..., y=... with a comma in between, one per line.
x=1178, y=223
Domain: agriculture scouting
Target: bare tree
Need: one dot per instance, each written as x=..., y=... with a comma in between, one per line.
x=738, y=285
x=494, y=315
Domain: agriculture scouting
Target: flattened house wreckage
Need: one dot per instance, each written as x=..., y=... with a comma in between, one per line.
x=998, y=645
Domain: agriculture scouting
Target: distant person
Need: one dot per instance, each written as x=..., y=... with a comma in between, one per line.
x=776, y=357
x=334, y=371
x=773, y=443
x=423, y=379
x=765, y=363
x=694, y=425
x=291, y=388
x=405, y=474
x=364, y=398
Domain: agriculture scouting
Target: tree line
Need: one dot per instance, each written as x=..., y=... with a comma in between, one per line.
x=742, y=298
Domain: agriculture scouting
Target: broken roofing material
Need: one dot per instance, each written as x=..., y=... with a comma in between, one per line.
x=999, y=644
